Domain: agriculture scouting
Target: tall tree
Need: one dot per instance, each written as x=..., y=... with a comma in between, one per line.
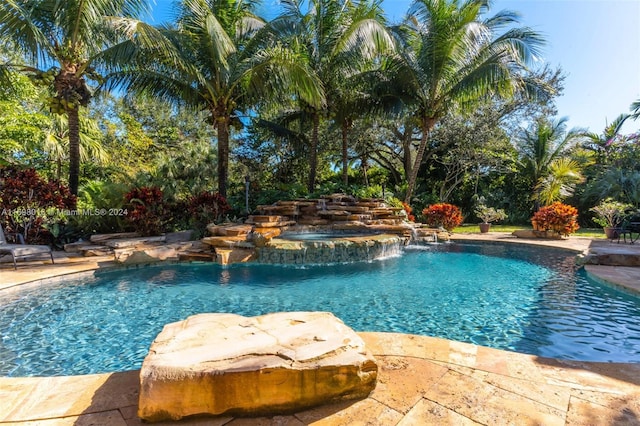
x=545, y=159
x=63, y=42
x=452, y=58
x=218, y=58
x=337, y=38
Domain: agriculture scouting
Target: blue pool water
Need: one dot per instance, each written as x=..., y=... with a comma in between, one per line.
x=507, y=297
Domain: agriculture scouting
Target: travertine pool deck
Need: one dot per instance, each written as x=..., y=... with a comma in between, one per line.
x=422, y=380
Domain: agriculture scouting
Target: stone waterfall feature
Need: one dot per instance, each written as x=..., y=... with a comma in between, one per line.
x=333, y=249
x=356, y=229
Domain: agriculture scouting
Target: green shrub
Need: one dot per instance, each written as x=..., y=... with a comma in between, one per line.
x=489, y=214
x=610, y=213
x=97, y=196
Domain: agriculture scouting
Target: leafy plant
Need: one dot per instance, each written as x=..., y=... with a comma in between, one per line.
x=147, y=210
x=409, y=212
x=96, y=196
x=28, y=203
x=557, y=217
x=443, y=215
x=207, y=207
x=62, y=232
x=610, y=213
x=489, y=214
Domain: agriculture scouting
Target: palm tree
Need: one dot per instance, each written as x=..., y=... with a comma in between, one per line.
x=564, y=175
x=544, y=159
x=618, y=183
x=338, y=39
x=217, y=58
x=56, y=141
x=451, y=58
x=601, y=143
x=64, y=42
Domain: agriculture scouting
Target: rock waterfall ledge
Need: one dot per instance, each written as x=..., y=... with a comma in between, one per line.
x=225, y=363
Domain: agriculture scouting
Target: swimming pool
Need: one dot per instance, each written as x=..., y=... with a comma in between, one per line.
x=503, y=296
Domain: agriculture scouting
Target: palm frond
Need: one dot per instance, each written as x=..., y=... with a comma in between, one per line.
x=635, y=109
x=280, y=129
x=613, y=129
x=142, y=42
x=368, y=38
x=55, y=143
x=276, y=68
x=560, y=183
x=20, y=25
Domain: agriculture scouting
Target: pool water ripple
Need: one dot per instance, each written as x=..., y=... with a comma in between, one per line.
x=507, y=297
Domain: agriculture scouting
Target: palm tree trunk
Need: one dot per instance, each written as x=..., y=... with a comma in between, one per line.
x=74, y=149
x=223, y=154
x=313, y=154
x=363, y=162
x=345, y=158
x=426, y=126
x=406, y=155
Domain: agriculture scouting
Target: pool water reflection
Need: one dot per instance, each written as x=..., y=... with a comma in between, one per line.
x=509, y=297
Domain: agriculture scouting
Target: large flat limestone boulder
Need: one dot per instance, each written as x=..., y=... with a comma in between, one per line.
x=229, y=364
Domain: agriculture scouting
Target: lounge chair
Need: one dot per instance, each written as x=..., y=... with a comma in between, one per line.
x=22, y=251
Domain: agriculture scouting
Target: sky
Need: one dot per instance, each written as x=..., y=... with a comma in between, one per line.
x=595, y=42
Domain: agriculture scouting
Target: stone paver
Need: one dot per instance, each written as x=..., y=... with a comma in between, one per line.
x=421, y=380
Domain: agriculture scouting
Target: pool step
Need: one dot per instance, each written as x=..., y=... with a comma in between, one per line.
x=265, y=218
x=95, y=250
x=100, y=238
x=313, y=220
x=134, y=242
x=239, y=241
x=229, y=231
x=276, y=224
x=197, y=257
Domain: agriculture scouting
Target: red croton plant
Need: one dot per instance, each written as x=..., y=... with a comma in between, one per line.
x=409, y=212
x=147, y=210
x=557, y=217
x=207, y=207
x=443, y=215
x=28, y=203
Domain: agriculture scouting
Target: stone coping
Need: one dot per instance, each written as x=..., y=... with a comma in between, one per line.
x=423, y=380
x=627, y=278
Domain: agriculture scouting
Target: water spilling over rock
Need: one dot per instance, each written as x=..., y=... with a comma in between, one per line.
x=355, y=229
x=334, y=249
